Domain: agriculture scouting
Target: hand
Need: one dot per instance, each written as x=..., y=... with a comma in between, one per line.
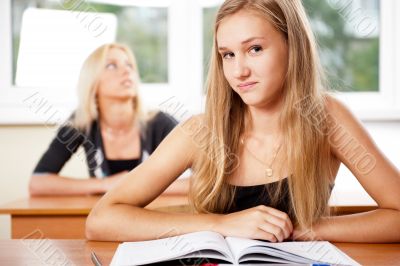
x=260, y=222
x=110, y=181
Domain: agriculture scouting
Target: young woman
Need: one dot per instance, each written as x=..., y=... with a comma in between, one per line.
x=109, y=124
x=266, y=152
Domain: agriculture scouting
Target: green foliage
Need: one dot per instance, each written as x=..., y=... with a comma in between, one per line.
x=209, y=15
x=351, y=63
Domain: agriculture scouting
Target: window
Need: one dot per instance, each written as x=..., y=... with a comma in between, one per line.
x=209, y=14
x=49, y=55
x=172, y=40
x=142, y=25
x=348, y=36
x=142, y=28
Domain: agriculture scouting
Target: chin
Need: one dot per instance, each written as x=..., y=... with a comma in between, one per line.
x=124, y=97
x=252, y=101
x=129, y=93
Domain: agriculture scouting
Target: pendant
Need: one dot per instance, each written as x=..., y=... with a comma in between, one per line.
x=268, y=172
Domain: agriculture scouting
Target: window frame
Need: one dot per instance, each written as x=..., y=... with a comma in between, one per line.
x=185, y=53
x=383, y=105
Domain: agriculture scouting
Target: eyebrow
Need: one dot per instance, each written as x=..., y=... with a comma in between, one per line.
x=244, y=42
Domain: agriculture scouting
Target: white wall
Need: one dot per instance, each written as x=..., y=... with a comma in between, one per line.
x=21, y=147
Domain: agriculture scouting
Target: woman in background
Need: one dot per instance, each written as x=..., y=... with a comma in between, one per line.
x=109, y=124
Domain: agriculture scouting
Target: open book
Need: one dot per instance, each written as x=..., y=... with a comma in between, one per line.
x=211, y=245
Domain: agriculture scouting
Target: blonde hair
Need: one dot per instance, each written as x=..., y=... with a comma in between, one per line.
x=305, y=144
x=87, y=110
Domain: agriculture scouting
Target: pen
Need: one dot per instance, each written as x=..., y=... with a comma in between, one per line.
x=95, y=259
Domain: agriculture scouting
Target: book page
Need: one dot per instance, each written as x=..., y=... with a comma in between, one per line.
x=299, y=252
x=203, y=244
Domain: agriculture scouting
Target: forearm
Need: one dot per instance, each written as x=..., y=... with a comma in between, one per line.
x=52, y=184
x=122, y=222
x=378, y=226
x=179, y=187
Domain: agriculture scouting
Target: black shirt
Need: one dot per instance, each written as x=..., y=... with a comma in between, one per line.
x=69, y=139
x=117, y=166
x=247, y=197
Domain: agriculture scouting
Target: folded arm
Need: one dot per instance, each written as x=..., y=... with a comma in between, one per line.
x=352, y=145
x=54, y=184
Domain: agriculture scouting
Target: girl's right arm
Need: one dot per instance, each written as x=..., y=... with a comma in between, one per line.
x=120, y=214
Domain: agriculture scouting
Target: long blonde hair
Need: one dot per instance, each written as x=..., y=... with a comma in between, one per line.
x=305, y=143
x=87, y=109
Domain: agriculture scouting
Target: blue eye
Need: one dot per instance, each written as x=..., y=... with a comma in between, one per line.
x=111, y=66
x=255, y=49
x=227, y=55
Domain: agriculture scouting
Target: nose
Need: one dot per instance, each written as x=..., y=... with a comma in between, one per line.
x=241, y=69
x=126, y=70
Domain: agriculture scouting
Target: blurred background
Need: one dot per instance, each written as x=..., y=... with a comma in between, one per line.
x=44, y=42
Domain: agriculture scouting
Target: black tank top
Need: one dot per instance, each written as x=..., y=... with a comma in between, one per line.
x=251, y=196
x=117, y=166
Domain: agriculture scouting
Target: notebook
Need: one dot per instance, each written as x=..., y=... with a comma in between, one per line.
x=213, y=246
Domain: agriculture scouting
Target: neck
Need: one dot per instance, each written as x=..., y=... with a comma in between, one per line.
x=264, y=121
x=118, y=116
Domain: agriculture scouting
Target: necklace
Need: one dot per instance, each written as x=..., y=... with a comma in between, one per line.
x=268, y=171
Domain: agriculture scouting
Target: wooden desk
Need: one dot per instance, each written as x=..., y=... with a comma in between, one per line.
x=77, y=252
x=64, y=217
x=350, y=209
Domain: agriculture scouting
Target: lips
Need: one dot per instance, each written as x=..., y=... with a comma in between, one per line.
x=127, y=82
x=246, y=85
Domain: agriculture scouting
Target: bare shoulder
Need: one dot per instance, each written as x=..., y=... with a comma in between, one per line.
x=195, y=123
x=337, y=109
x=193, y=131
x=352, y=144
x=342, y=122
x=344, y=128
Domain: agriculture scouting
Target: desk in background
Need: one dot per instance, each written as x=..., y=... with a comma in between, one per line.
x=77, y=252
x=64, y=216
